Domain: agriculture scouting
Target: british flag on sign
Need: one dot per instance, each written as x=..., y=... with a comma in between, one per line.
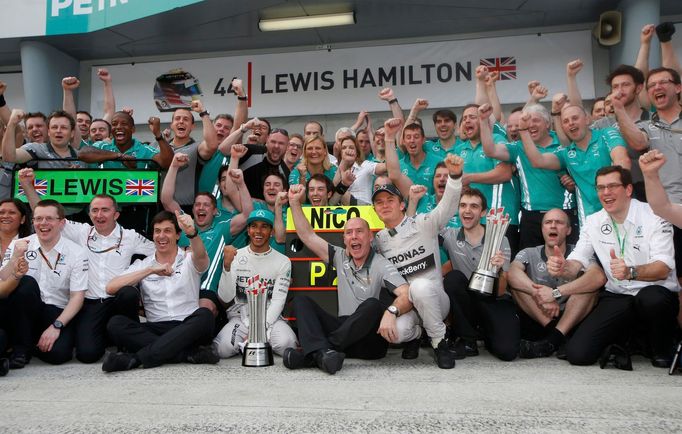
x=139, y=187
x=40, y=186
x=505, y=66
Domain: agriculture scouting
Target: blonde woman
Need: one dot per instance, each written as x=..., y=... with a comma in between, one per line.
x=315, y=160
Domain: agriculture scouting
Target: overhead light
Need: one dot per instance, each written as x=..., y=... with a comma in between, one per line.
x=307, y=22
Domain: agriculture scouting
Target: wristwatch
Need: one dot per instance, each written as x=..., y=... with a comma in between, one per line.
x=556, y=293
x=394, y=310
x=58, y=324
x=633, y=273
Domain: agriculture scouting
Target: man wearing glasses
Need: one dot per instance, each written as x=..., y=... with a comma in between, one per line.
x=110, y=249
x=662, y=133
x=635, y=248
x=60, y=267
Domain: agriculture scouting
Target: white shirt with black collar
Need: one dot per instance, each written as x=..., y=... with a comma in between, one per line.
x=62, y=270
x=109, y=255
x=170, y=298
x=644, y=237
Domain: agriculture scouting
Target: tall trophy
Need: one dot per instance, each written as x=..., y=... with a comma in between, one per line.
x=485, y=279
x=257, y=351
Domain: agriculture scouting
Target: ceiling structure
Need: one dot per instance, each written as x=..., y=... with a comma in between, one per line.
x=231, y=25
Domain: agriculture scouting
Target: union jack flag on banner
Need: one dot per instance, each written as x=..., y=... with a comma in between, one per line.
x=140, y=187
x=40, y=186
x=505, y=66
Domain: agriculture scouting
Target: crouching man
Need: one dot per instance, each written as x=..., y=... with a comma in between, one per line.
x=169, y=284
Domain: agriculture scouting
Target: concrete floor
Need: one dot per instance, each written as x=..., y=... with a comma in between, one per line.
x=391, y=395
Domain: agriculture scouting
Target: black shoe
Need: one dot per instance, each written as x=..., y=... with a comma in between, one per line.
x=534, y=350
x=119, y=362
x=445, y=359
x=411, y=349
x=295, y=359
x=203, y=355
x=457, y=348
x=329, y=361
x=661, y=361
x=470, y=347
x=4, y=367
x=617, y=356
x=18, y=360
x=561, y=352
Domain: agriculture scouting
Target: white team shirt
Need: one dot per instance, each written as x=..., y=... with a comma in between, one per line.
x=361, y=188
x=116, y=251
x=170, y=298
x=67, y=270
x=272, y=267
x=647, y=238
x=412, y=246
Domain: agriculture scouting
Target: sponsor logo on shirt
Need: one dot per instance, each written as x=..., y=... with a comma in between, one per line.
x=414, y=268
x=401, y=257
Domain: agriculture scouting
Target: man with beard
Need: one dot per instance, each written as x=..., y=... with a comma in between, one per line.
x=541, y=189
x=588, y=151
x=550, y=307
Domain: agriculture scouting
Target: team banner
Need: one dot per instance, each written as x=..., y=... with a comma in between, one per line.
x=348, y=80
x=333, y=218
x=80, y=186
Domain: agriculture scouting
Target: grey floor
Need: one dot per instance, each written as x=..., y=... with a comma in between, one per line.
x=391, y=395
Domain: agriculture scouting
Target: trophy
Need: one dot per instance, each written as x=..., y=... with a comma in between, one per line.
x=257, y=351
x=484, y=280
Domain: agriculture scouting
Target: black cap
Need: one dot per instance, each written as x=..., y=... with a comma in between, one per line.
x=388, y=188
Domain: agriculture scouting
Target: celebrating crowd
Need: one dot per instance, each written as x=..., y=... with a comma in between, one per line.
x=587, y=270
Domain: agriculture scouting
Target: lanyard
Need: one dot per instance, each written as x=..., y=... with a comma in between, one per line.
x=47, y=261
x=116, y=246
x=621, y=243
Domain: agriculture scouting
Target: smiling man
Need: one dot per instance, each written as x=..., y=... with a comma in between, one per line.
x=371, y=294
x=110, y=249
x=636, y=249
x=60, y=267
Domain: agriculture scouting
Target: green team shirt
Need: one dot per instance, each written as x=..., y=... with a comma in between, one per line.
x=583, y=166
x=208, y=179
x=498, y=195
x=215, y=238
x=422, y=175
x=139, y=150
x=295, y=176
x=541, y=189
x=436, y=148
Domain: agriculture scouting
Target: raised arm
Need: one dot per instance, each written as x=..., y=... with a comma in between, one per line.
x=634, y=137
x=362, y=117
x=241, y=112
x=419, y=105
x=200, y=257
x=400, y=180
x=387, y=95
x=109, y=101
x=209, y=144
x=10, y=153
x=491, y=149
x=236, y=135
x=165, y=155
x=491, y=89
x=669, y=59
x=168, y=189
x=415, y=195
x=26, y=180
x=651, y=163
x=572, y=69
x=69, y=84
x=481, y=96
x=558, y=102
x=313, y=241
x=536, y=158
x=447, y=206
x=238, y=222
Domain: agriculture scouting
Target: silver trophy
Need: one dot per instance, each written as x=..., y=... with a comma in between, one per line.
x=485, y=279
x=257, y=351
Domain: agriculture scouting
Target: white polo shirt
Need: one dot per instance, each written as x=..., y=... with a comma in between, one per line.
x=62, y=270
x=109, y=256
x=170, y=298
x=645, y=238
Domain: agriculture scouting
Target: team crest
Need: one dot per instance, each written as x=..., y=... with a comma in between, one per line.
x=606, y=229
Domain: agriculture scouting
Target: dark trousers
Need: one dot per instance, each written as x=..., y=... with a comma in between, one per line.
x=355, y=334
x=513, y=235
x=15, y=315
x=91, y=322
x=614, y=318
x=3, y=343
x=156, y=343
x=531, y=228
x=62, y=349
x=496, y=318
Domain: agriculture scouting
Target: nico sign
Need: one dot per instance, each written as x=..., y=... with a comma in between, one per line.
x=80, y=186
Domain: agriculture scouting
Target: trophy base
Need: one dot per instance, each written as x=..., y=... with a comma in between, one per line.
x=257, y=355
x=484, y=282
